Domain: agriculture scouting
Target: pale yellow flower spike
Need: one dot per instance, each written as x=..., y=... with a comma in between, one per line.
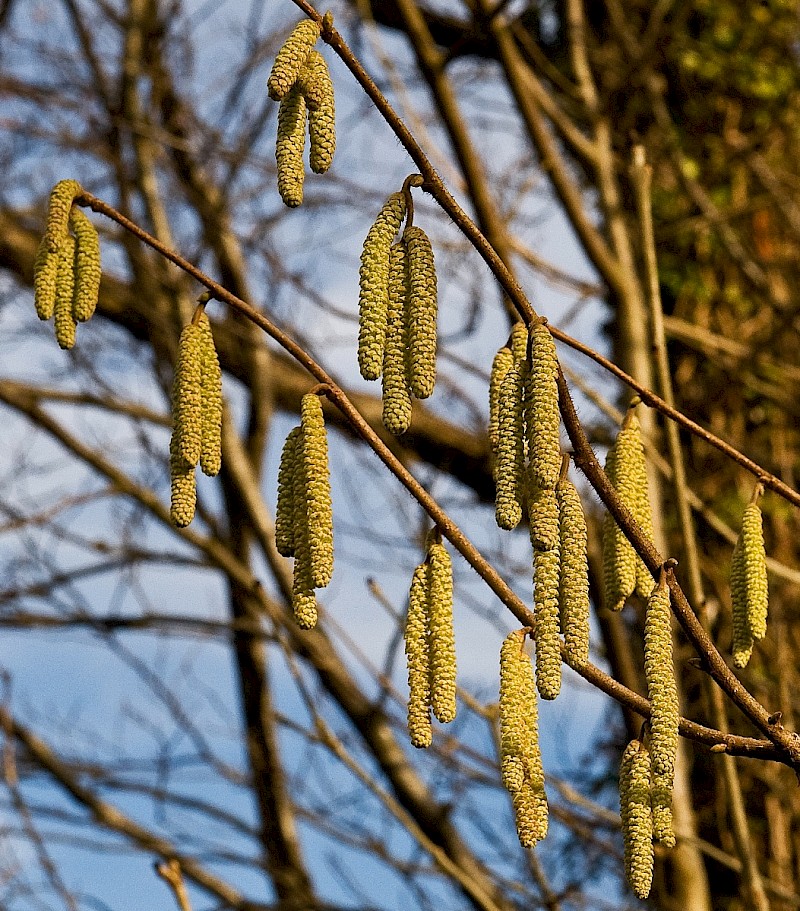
x=87, y=266
x=441, y=638
x=187, y=395
x=285, y=509
x=317, y=89
x=541, y=410
x=742, y=646
x=640, y=505
x=502, y=363
x=417, y=657
x=573, y=587
x=45, y=271
x=755, y=571
x=289, y=148
x=57, y=226
x=183, y=494
x=304, y=602
x=421, y=309
x=637, y=819
x=619, y=557
x=373, y=277
x=396, y=394
x=510, y=462
x=314, y=80
x=64, y=321
x=314, y=451
x=543, y=518
x=519, y=341
x=546, y=570
x=291, y=57
x=211, y=413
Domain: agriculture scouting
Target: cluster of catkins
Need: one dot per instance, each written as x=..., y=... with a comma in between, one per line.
x=304, y=514
x=530, y=475
x=430, y=643
x=196, y=416
x=301, y=82
x=749, y=594
x=397, y=313
x=66, y=273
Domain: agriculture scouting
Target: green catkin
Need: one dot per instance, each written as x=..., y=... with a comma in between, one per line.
x=502, y=363
x=211, y=411
x=441, y=638
x=60, y=205
x=319, y=509
x=285, y=509
x=546, y=570
x=396, y=394
x=543, y=518
x=541, y=410
x=519, y=341
x=421, y=309
x=318, y=93
x=418, y=660
x=742, y=646
x=637, y=819
x=754, y=563
x=619, y=557
x=183, y=494
x=304, y=602
x=291, y=57
x=520, y=757
x=573, y=586
x=87, y=266
x=289, y=148
x=662, y=692
x=64, y=321
x=510, y=461
x=45, y=271
x=373, y=277
x=187, y=395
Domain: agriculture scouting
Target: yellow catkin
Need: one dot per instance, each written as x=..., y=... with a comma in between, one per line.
x=373, y=278
x=519, y=341
x=187, y=395
x=502, y=363
x=421, y=309
x=510, y=461
x=661, y=803
x=182, y=486
x=314, y=450
x=417, y=658
x=289, y=148
x=543, y=518
x=520, y=757
x=573, y=586
x=45, y=271
x=754, y=561
x=541, y=410
x=285, y=509
x=87, y=266
x=396, y=394
x=304, y=602
x=291, y=57
x=64, y=321
x=314, y=80
x=742, y=646
x=662, y=692
x=640, y=504
x=637, y=820
x=441, y=638
x=317, y=89
x=619, y=557
x=60, y=205
x=546, y=571
x=211, y=411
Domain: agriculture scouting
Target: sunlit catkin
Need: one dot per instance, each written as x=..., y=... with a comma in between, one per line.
x=573, y=586
x=187, y=395
x=543, y=518
x=546, y=571
x=441, y=638
x=502, y=363
x=63, y=318
x=314, y=80
x=640, y=505
x=57, y=226
x=291, y=57
x=317, y=89
x=87, y=266
x=289, y=147
x=396, y=394
x=314, y=450
x=742, y=646
x=304, y=601
x=285, y=508
x=541, y=410
x=45, y=272
x=211, y=410
x=519, y=341
x=417, y=658
x=373, y=280
x=636, y=814
x=510, y=460
x=754, y=562
x=182, y=486
x=619, y=557
x=421, y=308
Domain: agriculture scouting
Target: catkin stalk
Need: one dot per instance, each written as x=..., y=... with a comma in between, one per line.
x=421, y=309
x=541, y=410
x=573, y=586
x=510, y=462
x=546, y=569
x=289, y=147
x=440, y=633
x=285, y=509
x=291, y=57
x=396, y=394
x=418, y=659
x=211, y=405
x=319, y=509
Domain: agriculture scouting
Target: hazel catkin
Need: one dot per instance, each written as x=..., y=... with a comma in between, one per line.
x=317, y=88
x=289, y=147
x=541, y=409
x=421, y=309
x=418, y=659
x=573, y=585
x=518, y=341
x=543, y=518
x=440, y=633
x=319, y=510
x=742, y=646
x=502, y=363
x=754, y=560
x=546, y=571
x=637, y=819
x=396, y=394
x=187, y=395
x=211, y=401
x=619, y=557
x=285, y=508
x=304, y=601
x=45, y=271
x=182, y=486
x=58, y=211
x=373, y=280
x=87, y=265
x=291, y=57
x=510, y=461
x=63, y=317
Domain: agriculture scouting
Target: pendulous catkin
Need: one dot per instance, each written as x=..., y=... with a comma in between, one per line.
x=63, y=316
x=396, y=392
x=289, y=147
x=418, y=660
x=510, y=460
x=641, y=508
x=285, y=509
x=520, y=757
x=421, y=309
x=304, y=601
x=319, y=510
x=742, y=646
x=211, y=401
x=502, y=363
x=316, y=87
x=374, y=286
x=45, y=272
x=749, y=589
x=546, y=572
x=440, y=633
x=182, y=487
x=291, y=57
x=518, y=341
x=637, y=820
x=573, y=586
x=187, y=395
x=541, y=409
x=58, y=211
x=543, y=518
x=87, y=266
x=662, y=692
